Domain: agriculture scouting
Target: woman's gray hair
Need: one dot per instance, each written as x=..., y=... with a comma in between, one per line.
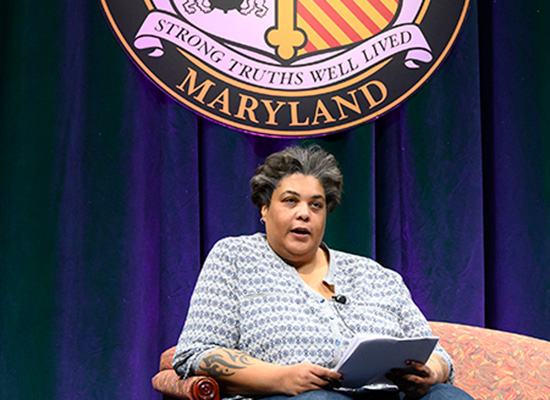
x=312, y=160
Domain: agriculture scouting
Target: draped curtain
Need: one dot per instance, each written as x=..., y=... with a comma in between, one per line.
x=112, y=195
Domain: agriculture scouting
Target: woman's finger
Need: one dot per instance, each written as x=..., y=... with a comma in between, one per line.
x=327, y=374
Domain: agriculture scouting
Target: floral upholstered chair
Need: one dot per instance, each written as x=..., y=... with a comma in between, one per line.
x=490, y=364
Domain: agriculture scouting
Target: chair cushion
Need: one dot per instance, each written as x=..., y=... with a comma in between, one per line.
x=495, y=364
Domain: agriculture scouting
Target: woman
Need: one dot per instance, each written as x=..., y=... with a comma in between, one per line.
x=263, y=318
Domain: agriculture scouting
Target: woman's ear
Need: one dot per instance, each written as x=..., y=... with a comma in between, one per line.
x=263, y=211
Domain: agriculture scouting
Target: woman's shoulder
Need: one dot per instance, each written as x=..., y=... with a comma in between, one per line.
x=229, y=252
x=358, y=264
x=343, y=258
x=241, y=240
x=240, y=244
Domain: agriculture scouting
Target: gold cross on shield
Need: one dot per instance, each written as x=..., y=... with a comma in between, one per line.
x=285, y=36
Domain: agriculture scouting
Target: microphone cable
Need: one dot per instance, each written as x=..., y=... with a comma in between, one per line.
x=342, y=300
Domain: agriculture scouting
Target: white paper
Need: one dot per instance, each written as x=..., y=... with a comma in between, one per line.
x=368, y=358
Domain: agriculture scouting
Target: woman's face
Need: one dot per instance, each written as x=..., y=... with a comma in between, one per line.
x=295, y=220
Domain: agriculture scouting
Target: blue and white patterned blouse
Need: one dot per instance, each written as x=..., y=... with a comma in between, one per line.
x=248, y=298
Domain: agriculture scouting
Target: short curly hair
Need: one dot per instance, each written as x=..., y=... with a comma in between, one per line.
x=311, y=160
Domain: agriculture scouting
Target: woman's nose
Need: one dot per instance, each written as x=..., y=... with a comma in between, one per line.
x=303, y=211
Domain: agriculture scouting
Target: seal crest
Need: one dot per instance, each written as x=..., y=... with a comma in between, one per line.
x=287, y=67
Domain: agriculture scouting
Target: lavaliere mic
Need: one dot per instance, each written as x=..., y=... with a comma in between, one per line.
x=340, y=299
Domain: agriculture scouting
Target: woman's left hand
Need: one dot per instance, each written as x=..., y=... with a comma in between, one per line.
x=415, y=380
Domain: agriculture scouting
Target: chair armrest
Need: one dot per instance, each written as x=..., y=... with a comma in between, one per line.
x=172, y=386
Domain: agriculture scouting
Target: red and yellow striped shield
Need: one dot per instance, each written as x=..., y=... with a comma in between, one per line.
x=333, y=23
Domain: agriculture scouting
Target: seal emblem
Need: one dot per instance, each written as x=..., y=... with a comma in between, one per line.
x=287, y=67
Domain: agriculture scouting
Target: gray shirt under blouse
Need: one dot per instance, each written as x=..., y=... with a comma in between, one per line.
x=248, y=298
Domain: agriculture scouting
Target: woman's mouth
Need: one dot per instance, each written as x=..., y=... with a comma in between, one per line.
x=300, y=231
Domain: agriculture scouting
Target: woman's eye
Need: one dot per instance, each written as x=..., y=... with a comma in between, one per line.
x=290, y=200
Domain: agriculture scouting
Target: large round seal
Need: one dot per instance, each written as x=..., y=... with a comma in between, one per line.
x=287, y=67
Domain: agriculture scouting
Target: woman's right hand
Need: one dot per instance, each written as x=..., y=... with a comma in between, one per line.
x=303, y=377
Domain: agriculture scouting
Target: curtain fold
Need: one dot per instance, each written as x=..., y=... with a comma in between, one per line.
x=112, y=195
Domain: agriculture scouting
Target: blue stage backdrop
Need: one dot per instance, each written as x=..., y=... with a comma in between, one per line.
x=112, y=194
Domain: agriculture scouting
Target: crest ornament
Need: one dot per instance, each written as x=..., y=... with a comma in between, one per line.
x=287, y=67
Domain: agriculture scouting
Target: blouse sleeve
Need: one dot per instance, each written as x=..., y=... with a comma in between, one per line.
x=414, y=324
x=213, y=318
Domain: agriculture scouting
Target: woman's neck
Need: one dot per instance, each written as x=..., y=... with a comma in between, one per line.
x=314, y=272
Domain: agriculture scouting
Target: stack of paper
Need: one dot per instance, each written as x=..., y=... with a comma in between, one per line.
x=368, y=358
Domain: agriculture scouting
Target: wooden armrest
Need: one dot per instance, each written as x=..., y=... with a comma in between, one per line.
x=172, y=386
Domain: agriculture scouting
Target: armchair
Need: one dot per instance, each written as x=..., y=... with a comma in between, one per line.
x=490, y=365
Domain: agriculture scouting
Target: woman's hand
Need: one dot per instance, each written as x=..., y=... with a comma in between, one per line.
x=303, y=377
x=417, y=378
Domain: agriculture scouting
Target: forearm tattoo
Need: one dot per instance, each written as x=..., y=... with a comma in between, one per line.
x=442, y=371
x=225, y=363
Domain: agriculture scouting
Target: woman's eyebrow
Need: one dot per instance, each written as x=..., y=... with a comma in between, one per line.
x=292, y=192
